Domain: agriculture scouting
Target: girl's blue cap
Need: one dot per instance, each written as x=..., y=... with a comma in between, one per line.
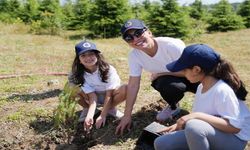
x=195, y=55
x=85, y=46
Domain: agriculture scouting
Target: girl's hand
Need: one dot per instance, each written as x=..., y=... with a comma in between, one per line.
x=182, y=121
x=100, y=122
x=168, y=129
x=88, y=123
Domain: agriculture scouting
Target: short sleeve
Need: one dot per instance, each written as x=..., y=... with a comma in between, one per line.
x=228, y=107
x=113, y=79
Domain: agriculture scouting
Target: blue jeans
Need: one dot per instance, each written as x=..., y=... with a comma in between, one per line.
x=199, y=135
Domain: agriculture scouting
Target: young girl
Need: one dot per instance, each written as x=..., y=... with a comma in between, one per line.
x=219, y=120
x=100, y=85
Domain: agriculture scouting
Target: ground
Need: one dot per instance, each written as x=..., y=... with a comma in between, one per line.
x=41, y=134
x=38, y=132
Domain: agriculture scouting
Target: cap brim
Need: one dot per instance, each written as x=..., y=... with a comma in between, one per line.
x=89, y=50
x=132, y=28
x=176, y=66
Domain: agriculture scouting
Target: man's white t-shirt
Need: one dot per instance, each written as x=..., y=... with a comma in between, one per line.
x=169, y=49
x=220, y=100
x=93, y=82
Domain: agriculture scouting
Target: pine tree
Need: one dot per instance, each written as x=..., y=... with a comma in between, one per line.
x=30, y=11
x=107, y=16
x=4, y=6
x=9, y=10
x=68, y=13
x=50, y=17
x=196, y=11
x=224, y=18
x=169, y=20
x=244, y=11
x=81, y=12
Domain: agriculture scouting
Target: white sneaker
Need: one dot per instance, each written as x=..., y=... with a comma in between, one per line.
x=115, y=113
x=166, y=113
x=83, y=115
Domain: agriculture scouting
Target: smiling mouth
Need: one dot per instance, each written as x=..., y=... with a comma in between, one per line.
x=140, y=43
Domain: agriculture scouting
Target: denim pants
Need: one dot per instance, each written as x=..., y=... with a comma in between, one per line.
x=199, y=135
x=172, y=88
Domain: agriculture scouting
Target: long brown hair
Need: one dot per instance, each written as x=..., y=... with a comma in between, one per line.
x=78, y=69
x=225, y=71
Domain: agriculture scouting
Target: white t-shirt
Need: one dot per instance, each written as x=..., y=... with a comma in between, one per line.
x=220, y=100
x=93, y=82
x=169, y=49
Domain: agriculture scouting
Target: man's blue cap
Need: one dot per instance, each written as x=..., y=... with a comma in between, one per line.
x=85, y=46
x=195, y=55
x=132, y=24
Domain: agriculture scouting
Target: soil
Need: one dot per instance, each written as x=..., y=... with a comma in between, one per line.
x=41, y=134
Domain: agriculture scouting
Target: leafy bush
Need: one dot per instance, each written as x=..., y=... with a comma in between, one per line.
x=49, y=24
x=64, y=115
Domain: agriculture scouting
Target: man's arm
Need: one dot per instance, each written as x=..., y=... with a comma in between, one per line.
x=156, y=75
x=132, y=91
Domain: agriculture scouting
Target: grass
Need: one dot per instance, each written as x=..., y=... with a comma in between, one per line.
x=25, y=98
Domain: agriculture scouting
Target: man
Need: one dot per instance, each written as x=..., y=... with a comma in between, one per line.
x=152, y=54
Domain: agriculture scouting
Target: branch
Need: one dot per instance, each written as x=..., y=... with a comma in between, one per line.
x=32, y=74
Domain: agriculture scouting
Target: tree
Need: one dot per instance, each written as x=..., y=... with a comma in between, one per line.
x=81, y=12
x=224, y=18
x=196, y=11
x=50, y=18
x=107, y=16
x=9, y=10
x=244, y=11
x=169, y=20
x=30, y=11
x=68, y=14
x=142, y=10
x=4, y=6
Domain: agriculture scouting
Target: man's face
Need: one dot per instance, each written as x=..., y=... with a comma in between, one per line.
x=138, y=38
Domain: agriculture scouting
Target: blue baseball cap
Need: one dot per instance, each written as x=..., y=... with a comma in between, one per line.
x=132, y=24
x=195, y=55
x=85, y=46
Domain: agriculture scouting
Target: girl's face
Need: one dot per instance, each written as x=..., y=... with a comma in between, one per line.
x=88, y=59
x=194, y=74
x=142, y=42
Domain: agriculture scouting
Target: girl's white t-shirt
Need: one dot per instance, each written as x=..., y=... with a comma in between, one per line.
x=169, y=49
x=93, y=82
x=220, y=100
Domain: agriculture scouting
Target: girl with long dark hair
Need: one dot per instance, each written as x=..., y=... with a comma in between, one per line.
x=100, y=85
x=219, y=119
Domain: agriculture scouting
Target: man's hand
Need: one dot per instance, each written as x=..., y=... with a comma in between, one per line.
x=154, y=76
x=100, y=121
x=124, y=123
